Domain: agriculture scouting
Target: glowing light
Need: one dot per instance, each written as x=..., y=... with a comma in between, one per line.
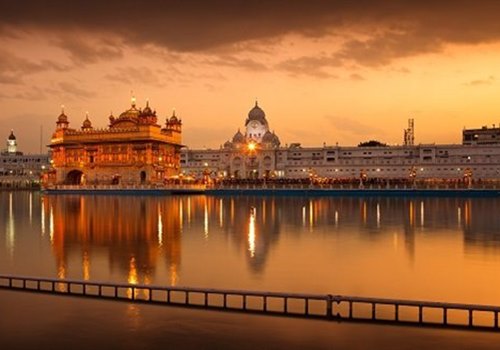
x=251, y=233
x=251, y=146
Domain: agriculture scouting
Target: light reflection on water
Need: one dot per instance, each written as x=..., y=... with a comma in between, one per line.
x=416, y=248
x=422, y=248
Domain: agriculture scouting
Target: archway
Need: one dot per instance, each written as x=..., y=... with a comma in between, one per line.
x=74, y=177
x=143, y=177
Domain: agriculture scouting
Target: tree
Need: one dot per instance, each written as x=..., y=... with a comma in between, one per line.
x=372, y=143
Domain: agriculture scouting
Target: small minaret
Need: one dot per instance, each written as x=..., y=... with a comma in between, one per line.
x=62, y=120
x=11, y=143
x=173, y=123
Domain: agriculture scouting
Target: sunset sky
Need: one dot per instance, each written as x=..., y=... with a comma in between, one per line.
x=323, y=71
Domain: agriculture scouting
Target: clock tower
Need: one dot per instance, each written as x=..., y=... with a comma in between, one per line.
x=256, y=124
x=11, y=143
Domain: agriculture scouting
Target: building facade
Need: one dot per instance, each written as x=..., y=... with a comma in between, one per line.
x=257, y=153
x=483, y=136
x=133, y=149
x=19, y=170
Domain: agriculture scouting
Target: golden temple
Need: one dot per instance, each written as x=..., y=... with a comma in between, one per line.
x=133, y=150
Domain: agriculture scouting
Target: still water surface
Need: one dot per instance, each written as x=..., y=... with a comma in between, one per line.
x=440, y=249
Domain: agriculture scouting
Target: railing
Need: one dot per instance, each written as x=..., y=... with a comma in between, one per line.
x=329, y=307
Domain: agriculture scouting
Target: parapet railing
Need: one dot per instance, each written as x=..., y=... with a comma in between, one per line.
x=329, y=307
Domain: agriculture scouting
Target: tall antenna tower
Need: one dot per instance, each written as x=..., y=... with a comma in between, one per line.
x=409, y=133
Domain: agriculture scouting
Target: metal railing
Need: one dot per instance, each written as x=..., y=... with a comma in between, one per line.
x=329, y=307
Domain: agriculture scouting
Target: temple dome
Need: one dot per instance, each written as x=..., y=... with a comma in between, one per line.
x=12, y=137
x=256, y=113
x=87, y=124
x=271, y=138
x=238, y=137
x=132, y=113
x=268, y=137
x=147, y=111
x=173, y=118
x=63, y=118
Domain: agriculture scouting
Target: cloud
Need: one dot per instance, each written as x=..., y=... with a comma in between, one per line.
x=315, y=66
x=386, y=29
x=479, y=82
x=14, y=68
x=83, y=50
x=242, y=63
x=356, y=77
x=75, y=90
x=134, y=76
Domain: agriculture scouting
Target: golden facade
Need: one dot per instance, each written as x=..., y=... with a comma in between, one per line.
x=133, y=150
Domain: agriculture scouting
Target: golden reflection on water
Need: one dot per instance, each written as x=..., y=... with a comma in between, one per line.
x=160, y=227
x=366, y=246
x=86, y=266
x=251, y=233
x=10, y=229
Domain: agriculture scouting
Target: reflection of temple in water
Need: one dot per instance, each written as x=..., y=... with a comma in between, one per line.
x=135, y=232
x=254, y=225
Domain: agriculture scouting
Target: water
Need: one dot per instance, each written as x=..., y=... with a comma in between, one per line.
x=439, y=249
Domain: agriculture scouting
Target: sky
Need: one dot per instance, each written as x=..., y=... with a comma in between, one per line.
x=329, y=72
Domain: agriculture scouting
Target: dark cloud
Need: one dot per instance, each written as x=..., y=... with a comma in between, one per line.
x=479, y=82
x=242, y=63
x=83, y=50
x=391, y=29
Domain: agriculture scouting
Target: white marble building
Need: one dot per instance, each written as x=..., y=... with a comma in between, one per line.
x=257, y=153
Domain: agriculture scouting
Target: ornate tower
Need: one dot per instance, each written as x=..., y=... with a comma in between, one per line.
x=11, y=143
x=62, y=120
x=256, y=124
